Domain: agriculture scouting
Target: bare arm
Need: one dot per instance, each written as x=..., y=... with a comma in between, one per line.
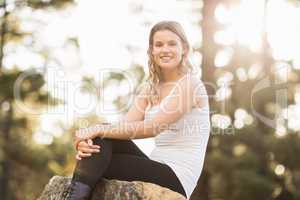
x=136, y=113
x=171, y=109
x=137, y=110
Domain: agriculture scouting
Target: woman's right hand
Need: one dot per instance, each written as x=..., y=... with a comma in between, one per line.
x=86, y=148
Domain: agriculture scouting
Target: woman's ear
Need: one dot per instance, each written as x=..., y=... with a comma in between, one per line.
x=149, y=51
x=185, y=51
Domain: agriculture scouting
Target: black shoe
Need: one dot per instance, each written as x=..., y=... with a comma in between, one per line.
x=79, y=191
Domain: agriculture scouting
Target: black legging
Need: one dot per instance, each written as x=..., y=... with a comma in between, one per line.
x=123, y=160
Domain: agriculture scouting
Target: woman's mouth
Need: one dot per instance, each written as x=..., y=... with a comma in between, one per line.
x=165, y=58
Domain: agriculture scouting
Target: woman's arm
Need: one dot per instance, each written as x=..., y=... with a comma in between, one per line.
x=135, y=113
x=124, y=130
x=140, y=103
x=172, y=108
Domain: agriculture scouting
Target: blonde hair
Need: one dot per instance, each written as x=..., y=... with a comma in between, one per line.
x=155, y=74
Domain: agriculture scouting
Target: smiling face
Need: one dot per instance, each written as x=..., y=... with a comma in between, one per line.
x=167, y=49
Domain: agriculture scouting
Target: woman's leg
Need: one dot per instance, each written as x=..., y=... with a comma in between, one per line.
x=123, y=160
x=134, y=168
x=126, y=147
x=89, y=170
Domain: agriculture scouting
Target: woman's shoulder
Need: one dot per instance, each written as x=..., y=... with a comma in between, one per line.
x=193, y=80
x=143, y=88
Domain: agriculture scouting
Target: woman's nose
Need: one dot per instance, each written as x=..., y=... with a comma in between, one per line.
x=165, y=48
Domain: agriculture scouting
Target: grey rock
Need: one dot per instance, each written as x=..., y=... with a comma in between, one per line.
x=58, y=187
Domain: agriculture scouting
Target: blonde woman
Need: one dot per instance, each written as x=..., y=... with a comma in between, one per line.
x=172, y=107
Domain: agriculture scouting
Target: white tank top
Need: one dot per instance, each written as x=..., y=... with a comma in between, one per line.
x=183, y=147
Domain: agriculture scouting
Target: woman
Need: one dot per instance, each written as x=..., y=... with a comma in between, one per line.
x=172, y=107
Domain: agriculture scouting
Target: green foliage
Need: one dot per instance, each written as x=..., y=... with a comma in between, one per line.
x=26, y=166
x=285, y=150
x=251, y=185
x=251, y=162
x=25, y=85
x=38, y=4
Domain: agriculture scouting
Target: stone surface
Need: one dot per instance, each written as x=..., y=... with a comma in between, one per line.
x=58, y=186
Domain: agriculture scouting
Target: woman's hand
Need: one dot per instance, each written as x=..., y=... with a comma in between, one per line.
x=87, y=133
x=86, y=148
x=92, y=131
x=83, y=140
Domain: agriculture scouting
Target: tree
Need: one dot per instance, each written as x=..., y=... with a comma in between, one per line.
x=19, y=154
x=252, y=161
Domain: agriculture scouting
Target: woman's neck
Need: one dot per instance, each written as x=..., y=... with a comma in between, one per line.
x=172, y=76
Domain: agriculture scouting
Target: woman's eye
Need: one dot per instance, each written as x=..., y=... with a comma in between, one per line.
x=169, y=44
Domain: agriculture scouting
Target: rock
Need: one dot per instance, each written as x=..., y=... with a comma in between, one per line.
x=106, y=189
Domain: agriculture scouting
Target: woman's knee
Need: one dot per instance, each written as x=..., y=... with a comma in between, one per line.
x=101, y=141
x=105, y=145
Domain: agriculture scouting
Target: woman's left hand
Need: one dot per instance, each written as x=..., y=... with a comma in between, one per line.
x=86, y=134
x=91, y=132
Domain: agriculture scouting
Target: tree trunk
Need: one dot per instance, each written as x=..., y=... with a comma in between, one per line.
x=208, y=50
x=5, y=163
x=3, y=31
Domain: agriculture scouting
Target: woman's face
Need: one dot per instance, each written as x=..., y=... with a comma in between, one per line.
x=167, y=49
